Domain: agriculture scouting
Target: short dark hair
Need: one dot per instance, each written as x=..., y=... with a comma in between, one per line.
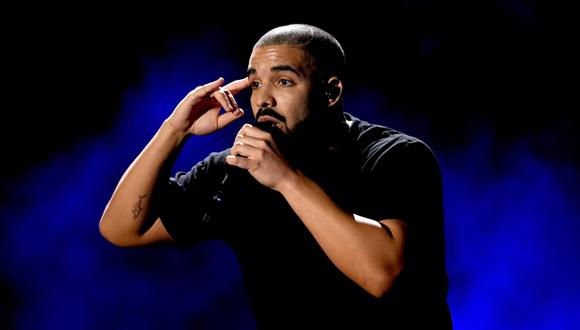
x=324, y=49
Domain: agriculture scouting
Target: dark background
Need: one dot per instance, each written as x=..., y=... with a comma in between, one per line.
x=490, y=86
x=502, y=63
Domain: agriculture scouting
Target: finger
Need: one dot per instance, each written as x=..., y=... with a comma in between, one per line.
x=230, y=97
x=227, y=96
x=240, y=149
x=245, y=150
x=207, y=89
x=223, y=100
x=240, y=162
x=252, y=141
x=228, y=117
x=237, y=85
x=249, y=130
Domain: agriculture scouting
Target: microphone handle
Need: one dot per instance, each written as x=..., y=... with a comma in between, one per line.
x=233, y=174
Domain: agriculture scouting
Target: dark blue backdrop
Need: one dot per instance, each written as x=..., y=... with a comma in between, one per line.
x=510, y=197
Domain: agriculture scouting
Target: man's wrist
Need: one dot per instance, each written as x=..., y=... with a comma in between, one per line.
x=168, y=128
x=292, y=182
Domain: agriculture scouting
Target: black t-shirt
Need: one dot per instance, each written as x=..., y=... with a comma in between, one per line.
x=373, y=171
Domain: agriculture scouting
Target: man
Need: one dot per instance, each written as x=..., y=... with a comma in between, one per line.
x=336, y=223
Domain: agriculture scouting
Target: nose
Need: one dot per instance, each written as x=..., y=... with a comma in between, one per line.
x=263, y=97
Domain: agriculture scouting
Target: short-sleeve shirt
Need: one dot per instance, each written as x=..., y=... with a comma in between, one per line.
x=375, y=172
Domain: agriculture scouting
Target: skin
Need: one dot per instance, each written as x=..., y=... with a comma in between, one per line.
x=369, y=251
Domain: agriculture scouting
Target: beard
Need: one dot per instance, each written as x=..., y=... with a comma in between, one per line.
x=311, y=138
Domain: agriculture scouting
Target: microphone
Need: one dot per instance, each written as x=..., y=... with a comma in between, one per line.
x=234, y=173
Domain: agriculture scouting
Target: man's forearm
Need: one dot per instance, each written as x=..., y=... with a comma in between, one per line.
x=125, y=215
x=367, y=253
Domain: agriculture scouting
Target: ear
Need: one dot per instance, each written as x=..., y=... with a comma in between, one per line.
x=333, y=91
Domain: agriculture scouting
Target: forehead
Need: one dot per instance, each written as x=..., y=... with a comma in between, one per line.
x=270, y=56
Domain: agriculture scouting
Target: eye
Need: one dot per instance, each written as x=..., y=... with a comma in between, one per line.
x=256, y=84
x=285, y=82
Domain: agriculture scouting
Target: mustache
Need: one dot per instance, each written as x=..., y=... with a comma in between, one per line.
x=270, y=112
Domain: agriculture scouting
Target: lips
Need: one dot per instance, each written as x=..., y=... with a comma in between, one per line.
x=274, y=121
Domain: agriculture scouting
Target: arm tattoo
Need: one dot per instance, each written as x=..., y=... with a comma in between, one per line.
x=138, y=208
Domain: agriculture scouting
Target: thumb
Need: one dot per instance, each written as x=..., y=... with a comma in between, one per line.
x=229, y=117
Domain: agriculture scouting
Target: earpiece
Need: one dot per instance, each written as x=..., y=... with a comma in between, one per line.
x=331, y=92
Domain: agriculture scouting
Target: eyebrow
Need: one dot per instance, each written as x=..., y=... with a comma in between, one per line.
x=277, y=68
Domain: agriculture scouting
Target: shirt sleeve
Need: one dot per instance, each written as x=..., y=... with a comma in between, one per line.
x=186, y=201
x=404, y=183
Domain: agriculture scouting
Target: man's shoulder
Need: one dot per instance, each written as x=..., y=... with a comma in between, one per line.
x=372, y=138
x=213, y=164
x=384, y=149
